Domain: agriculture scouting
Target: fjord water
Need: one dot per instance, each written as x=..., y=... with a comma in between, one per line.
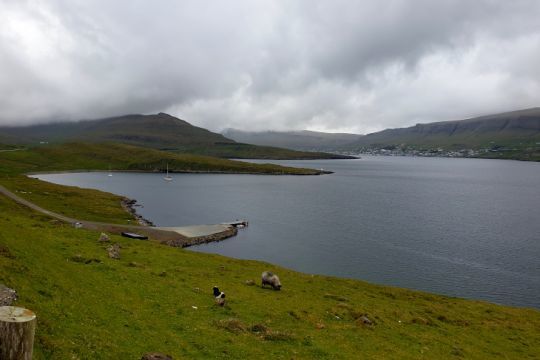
x=461, y=227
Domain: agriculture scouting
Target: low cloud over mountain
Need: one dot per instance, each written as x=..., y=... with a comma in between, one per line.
x=354, y=66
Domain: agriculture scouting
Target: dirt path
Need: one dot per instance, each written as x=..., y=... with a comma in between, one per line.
x=165, y=236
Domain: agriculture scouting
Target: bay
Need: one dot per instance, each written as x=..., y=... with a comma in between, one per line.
x=460, y=227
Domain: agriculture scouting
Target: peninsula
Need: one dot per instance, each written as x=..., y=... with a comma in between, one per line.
x=155, y=298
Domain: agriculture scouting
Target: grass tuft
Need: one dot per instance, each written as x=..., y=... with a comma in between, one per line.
x=233, y=325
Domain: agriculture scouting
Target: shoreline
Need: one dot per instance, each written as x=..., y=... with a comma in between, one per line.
x=316, y=172
x=129, y=206
x=175, y=239
x=455, y=157
x=161, y=235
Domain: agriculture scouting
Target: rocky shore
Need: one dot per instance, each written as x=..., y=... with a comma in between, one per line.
x=129, y=205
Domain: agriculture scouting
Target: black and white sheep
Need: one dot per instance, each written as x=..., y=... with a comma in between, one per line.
x=219, y=296
x=268, y=278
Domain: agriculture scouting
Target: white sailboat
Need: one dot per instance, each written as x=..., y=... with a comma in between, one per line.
x=167, y=177
x=110, y=173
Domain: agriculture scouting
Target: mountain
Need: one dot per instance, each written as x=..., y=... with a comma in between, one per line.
x=503, y=129
x=513, y=135
x=297, y=140
x=158, y=131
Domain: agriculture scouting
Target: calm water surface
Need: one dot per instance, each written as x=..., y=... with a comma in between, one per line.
x=461, y=227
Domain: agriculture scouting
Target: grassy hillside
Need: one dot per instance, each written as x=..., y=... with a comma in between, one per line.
x=157, y=298
x=248, y=151
x=158, y=131
x=94, y=205
x=7, y=147
x=512, y=135
x=91, y=156
x=509, y=135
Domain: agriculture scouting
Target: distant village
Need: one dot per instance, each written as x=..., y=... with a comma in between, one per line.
x=432, y=152
x=439, y=152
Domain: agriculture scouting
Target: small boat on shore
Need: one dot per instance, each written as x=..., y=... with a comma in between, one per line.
x=134, y=236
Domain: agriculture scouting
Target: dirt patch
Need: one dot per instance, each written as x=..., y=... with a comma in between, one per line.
x=4, y=252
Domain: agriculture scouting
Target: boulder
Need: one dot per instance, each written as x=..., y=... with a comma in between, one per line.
x=104, y=238
x=114, y=251
x=7, y=296
x=156, y=356
x=365, y=320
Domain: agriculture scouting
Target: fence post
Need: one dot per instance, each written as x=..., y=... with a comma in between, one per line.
x=17, y=328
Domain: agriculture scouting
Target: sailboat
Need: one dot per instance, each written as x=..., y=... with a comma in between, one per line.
x=167, y=177
x=110, y=173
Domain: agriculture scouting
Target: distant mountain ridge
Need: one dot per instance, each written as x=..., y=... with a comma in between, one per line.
x=159, y=131
x=509, y=128
x=298, y=140
x=504, y=128
x=515, y=131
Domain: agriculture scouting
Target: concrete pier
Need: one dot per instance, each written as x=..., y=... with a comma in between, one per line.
x=198, y=230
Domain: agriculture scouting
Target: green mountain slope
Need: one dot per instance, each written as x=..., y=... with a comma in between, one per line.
x=506, y=128
x=514, y=135
x=159, y=131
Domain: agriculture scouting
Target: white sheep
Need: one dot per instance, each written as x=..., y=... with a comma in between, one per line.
x=268, y=278
x=219, y=296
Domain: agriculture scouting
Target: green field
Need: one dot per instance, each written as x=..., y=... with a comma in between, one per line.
x=7, y=147
x=91, y=156
x=157, y=131
x=158, y=298
x=248, y=151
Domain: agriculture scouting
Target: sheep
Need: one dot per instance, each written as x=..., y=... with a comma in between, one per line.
x=219, y=296
x=268, y=278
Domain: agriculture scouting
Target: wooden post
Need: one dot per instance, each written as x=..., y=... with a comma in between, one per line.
x=17, y=327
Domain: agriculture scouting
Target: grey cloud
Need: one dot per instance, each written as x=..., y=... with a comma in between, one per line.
x=329, y=65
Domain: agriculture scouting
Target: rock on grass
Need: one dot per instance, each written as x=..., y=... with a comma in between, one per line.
x=114, y=251
x=156, y=356
x=7, y=296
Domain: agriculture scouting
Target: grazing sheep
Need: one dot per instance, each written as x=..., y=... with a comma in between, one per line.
x=219, y=296
x=268, y=278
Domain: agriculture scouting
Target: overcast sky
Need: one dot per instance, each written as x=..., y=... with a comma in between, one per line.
x=356, y=66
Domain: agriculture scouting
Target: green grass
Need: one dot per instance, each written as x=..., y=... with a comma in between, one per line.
x=156, y=131
x=95, y=205
x=248, y=151
x=7, y=147
x=520, y=151
x=74, y=202
x=119, y=309
x=90, y=156
x=507, y=146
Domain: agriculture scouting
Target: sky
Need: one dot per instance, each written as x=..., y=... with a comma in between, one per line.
x=340, y=66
